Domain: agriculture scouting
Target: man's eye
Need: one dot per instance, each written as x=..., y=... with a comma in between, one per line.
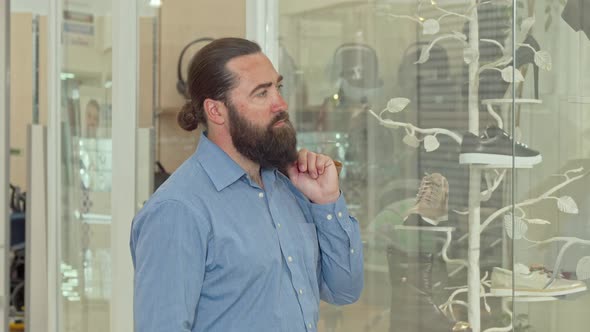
x=262, y=94
x=280, y=88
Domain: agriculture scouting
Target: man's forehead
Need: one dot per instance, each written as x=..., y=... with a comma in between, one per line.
x=253, y=67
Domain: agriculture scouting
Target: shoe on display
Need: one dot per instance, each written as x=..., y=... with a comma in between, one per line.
x=531, y=283
x=432, y=202
x=494, y=147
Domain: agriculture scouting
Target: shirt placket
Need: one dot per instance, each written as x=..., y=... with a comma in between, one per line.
x=295, y=265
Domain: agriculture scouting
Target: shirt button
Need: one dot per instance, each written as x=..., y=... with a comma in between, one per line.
x=290, y=259
x=339, y=214
x=260, y=195
x=309, y=326
x=329, y=217
x=300, y=291
x=279, y=225
x=352, y=251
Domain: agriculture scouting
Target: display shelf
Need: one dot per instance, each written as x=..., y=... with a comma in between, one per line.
x=425, y=228
x=498, y=166
x=526, y=298
x=521, y=101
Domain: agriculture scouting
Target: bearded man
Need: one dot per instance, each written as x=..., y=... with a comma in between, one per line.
x=249, y=233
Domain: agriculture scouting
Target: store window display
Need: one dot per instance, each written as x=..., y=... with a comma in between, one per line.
x=464, y=201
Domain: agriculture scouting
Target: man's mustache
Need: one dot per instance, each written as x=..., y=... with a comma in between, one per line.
x=283, y=116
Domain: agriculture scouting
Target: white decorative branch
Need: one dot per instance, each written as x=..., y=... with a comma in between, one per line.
x=445, y=248
x=508, y=328
x=425, y=54
x=492, y=41
x=569, y=241
x=527, y=45
x=496, y=116
x=546, y=195
x=501, y=62
x=447, y=306
x=430, y=131
x=492, y=185
x=448, y=13
x=407, y=17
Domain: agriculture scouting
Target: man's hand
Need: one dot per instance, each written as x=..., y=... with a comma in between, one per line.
x=315, y=175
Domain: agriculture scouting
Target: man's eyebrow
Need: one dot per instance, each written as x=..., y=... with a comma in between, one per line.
x=266, y=85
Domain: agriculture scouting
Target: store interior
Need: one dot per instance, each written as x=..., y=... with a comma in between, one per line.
x=389, y=88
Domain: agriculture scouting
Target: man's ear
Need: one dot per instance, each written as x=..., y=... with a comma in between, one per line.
x=215, y=111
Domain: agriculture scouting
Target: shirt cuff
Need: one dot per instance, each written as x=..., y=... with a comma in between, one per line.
x=337, y=212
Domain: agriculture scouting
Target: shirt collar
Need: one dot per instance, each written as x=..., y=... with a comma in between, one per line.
x=222, y=170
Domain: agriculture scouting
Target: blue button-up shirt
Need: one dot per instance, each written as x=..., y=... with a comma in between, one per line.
x=213, y=251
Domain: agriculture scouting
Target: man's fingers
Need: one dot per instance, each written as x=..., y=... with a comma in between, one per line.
x=312, y=168
x=302, y=160
x=314, y=164
x=323, y=162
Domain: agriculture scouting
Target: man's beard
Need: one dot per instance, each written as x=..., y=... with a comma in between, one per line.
x=270, y=146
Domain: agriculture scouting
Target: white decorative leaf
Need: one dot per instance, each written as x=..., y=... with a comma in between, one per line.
x=527, y=24
x=424, y=55
x=470, y=55
x=431, y=143
x=412, y=141
x=538, y=221
x=543, y=60
x=431, y=27
x=395, y=105
x=507, y=74
x=460, y=35
x=567, y=204
x=516, y=229
x=583, y=268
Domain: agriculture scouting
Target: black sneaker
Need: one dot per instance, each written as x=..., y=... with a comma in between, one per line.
x=494, y=147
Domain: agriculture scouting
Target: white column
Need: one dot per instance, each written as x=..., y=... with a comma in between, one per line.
x=123, y=196
x=54, y=309
x=36, y=230
x=4, y=157
x=262, y=26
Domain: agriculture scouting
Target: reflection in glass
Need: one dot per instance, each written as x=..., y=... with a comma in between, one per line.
x=393, y=80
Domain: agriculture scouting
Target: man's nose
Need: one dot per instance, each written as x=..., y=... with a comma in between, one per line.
x=280, y=105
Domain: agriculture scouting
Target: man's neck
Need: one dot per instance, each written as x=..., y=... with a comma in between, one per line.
x=250, y=167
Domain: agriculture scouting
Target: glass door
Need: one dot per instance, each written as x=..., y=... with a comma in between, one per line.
x=551, y=211
x=85, y=277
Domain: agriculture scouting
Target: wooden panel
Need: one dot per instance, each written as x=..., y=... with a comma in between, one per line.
x=174, y=144
x=43, y=54
x=21, y=92
x=185, y=20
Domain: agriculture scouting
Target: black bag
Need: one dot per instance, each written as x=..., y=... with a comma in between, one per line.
x=160, y=176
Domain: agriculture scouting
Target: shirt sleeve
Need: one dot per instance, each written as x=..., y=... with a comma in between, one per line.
x=341, y=267
x=169, y=250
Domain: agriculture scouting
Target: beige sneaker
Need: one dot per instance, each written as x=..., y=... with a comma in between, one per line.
x=531, y=283
x=432, y=202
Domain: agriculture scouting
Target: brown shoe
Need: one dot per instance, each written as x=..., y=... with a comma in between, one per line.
x=432, y=202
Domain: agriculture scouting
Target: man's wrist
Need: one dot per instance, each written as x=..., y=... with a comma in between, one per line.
x=328, y=199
